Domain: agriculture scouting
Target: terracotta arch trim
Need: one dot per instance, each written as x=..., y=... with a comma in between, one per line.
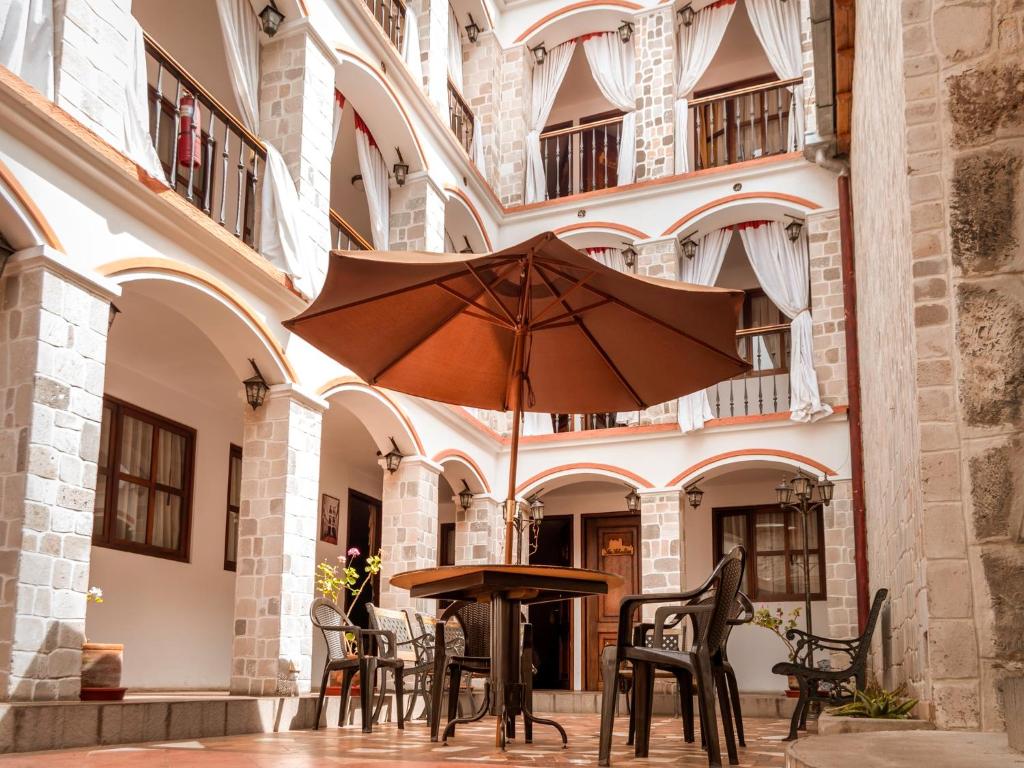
x=474, y=212
x=326, y=390
x=641, y=482
x=30, y=208
x=124, y=267
x=545, y=20
x=623, y=228
x=801, y=201
x=772, y=452
x=453, y=453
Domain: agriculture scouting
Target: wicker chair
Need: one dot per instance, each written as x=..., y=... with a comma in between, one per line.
x=830, y=686
x=474, y=619
x=725, y=581
x=335, y=625
x=408, y=649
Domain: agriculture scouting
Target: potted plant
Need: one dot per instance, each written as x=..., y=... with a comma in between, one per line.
x=101, y=664
x=778, y=622
x=873, y=709
x=333, y=580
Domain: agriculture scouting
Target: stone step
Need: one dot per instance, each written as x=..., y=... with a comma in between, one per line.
x=1013, y=711
x=769, y=705
x=913, y=749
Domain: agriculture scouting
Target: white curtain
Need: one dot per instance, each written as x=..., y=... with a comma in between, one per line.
x=777, y=26
x=138, y=144
x=375, y=183
x=281, y=238
x=411, y=45
x=454, y=49
x=537, y=424
x=696, y=46
x=26, y=41
x=547, y=78
x=694, y=409
x=613, y=65
x=610, y=257
x=477, y=154
x=782, y=271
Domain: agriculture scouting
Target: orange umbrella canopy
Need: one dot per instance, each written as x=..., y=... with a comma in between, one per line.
x=576, y=336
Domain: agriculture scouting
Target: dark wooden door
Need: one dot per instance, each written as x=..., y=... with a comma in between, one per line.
x=363, y=533
x=552, y=622
x=611, y=543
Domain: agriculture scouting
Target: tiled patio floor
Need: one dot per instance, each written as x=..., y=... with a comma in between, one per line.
x=473, y=745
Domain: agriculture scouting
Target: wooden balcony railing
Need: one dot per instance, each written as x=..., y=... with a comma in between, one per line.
x=581, y=158
x=390, y=14
x=213, y=161
x=581, y=422
x=742, y=125
x=344, y=236
x=765, y=388
x=460, y=116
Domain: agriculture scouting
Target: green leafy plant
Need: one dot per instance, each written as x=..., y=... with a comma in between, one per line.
x=876, y=702
x=334, y=579
x=778, y=622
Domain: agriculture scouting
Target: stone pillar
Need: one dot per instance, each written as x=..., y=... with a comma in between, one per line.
x=659, y=258
x=53, y=322
x=273, y=643
x=655, y=89
x=432, y=19
x=296, y=117
x=480, y=78
x=409, y=527
x=417, y=215
x=661, y=538
x=807, y=51
x=479, y=531
x=514, y=79
x=840, y=568
x=827, y=305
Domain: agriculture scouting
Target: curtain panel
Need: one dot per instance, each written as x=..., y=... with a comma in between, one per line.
x=26, y=41
x=696, y=45
x=375, y=183
x=411, y=45
x=138, y=144
x=703, y=269
x=613, y=65
x=782, y=270
x=777, y=26
x=454, y=50
x=547, y=78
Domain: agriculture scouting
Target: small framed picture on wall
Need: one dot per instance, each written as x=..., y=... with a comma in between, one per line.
x=329, y=514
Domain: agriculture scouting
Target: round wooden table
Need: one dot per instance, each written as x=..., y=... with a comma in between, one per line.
x=507, y=588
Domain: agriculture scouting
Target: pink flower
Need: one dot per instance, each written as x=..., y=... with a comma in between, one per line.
x=353, y=552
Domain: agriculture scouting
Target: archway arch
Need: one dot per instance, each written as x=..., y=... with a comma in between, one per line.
x=723, y=463
x=380, y=414
x=459, y=466
x=22, y=223
x=569, y=474
x=740, y=207
x=462, y=223
x=577, y=18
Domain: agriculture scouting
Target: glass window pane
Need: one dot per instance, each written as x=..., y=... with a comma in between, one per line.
x=770, y=531
x=797, y=572
x=796, y=532
x=235, y=481
x=170, y=459
x=771, y=575
x=98, y=510
x=132, y=503
x=136, y=447
x=108, y=415
x=231, y=555
x=167, y=520
x=734, y=532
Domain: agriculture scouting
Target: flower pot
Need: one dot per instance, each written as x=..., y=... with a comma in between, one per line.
x=101, y=671
x=334, y=682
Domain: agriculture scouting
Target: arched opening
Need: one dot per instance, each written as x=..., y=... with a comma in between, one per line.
x=468, y=526
x=462, y=231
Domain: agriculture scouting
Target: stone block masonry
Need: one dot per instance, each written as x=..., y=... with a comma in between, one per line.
x=661, y=540
x=655, y=85
x=827, y=305
x=479, y=531
x=417, y=216
x=408, y=528
x=53, y=324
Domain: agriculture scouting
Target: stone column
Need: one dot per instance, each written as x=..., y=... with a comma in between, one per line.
x=828, y=310
x=661, y=534
x=432, y=19
x=417, y=215
x=655, y=89
x=408, y=528
x=296, y=117
x=53, y=322
x=514, y=79
x=273, y=643
x=840, y=568
x=480, y=78
x=659, y=258
x=479, y=531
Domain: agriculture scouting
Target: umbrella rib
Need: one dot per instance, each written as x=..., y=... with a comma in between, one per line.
x=422, y=339
x=561, y=297
x=490, y=292
x=597, y=347
x=556, y=321
x=496, y=318
x=662, y=323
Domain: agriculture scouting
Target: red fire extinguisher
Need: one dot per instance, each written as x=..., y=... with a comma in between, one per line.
x=189, y=132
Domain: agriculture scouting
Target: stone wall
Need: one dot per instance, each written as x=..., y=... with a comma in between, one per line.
x=417, y=216
x=827, y=306
x=408, y=528
x=655, y=89
x=511, y=124
x=840, y=568
x=480, y=79
x=661, y=541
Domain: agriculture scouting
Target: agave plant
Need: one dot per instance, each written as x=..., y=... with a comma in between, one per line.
x=876, y=702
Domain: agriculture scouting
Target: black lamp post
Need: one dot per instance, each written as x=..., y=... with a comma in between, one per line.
x=271, y=18
x=393, y=458
x=805, y=495
x=527, y=517
x=255, y=387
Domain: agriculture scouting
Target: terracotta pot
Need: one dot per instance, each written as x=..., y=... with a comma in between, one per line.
x=334, y=682
x=101, y=671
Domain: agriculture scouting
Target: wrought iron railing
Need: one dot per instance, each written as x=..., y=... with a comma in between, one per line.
x=582, y=422
x=211, y=159
x=344, y=236
x=460, y=117
x=743, y=124
x=581, y=158
x=390, y=14
x=765, y=388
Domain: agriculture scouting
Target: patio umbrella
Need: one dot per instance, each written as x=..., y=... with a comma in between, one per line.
x=535, y=327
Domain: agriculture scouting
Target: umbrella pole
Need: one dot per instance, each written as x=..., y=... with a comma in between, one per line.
x=510, y=501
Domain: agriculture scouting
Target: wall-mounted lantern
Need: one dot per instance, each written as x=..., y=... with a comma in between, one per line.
x=539, y=54
x=686, y=15
x=625, y=31
x=465, y=497
x=393, y=458
x=400, y=169
x=255, y=387
x=271, y=18
x=472, y=29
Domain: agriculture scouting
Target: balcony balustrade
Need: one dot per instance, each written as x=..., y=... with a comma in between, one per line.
x=390, y=14
x=344, y=236
x=211, y=159
x=581, y=158
x=460, y=117
x=743, y=124
x=765, y=388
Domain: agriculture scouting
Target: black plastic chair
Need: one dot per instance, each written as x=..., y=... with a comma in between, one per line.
x=451, y=662
x=408, y=649
x=697, y=662
x=830, y=686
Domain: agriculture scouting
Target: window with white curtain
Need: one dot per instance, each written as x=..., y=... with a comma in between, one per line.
x=234, y=507
x=143, y=483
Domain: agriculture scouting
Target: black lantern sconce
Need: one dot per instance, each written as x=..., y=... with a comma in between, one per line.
x=400, y=169
x=633, y=500
x=625, y=31
x=629, y=256
x=694, y=494
x=465, y=497
x=393, y=458
x=539, y=54
x=472, y=29
x=689, y=245
x=271, y=18
x=255, y=387
x=468, y=248
x=687, y=14
x=794, y=228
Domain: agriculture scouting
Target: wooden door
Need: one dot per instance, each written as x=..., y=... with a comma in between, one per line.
x=610, y=543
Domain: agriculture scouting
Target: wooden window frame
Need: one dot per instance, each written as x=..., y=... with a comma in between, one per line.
x=234, y=452
x=750, y=513
x=120, y=408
